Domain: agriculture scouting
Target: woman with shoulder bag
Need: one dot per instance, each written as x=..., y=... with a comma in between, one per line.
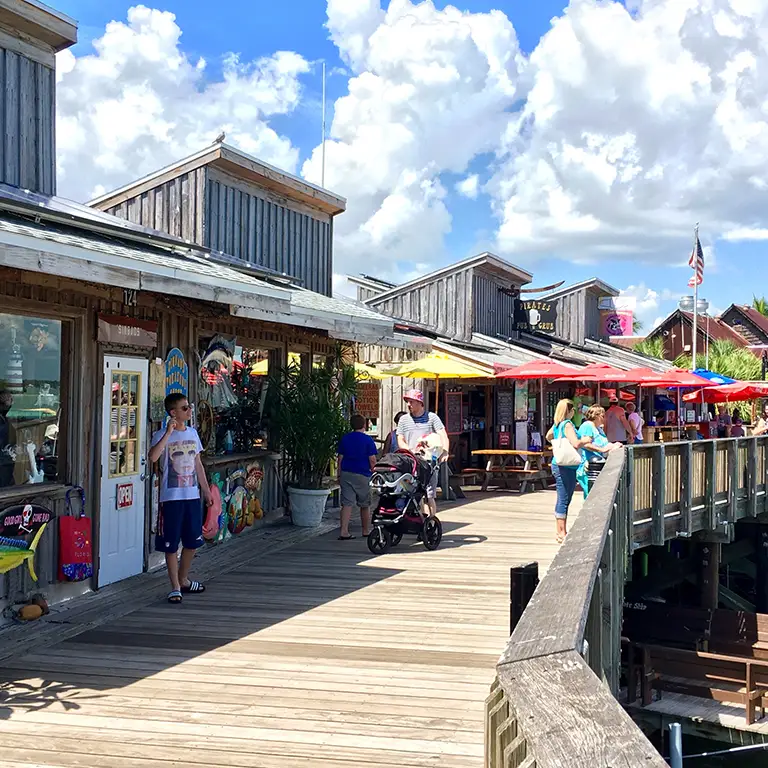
x=566, y=460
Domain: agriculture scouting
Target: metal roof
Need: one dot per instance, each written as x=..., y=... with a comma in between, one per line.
x=604, y=288
x=490, y=260
x=86, y=256
x=237, y=163
x=757, y=319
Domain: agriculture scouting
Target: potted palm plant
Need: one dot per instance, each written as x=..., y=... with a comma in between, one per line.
x=307, y=411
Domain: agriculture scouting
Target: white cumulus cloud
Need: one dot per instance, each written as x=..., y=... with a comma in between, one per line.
x=469, y=186
x=138, y=103
x=430, y=90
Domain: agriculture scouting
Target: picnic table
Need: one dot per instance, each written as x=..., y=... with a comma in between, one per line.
x=522, y=467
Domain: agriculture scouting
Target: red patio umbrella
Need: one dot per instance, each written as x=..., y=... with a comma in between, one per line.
x=675, y=378
x=537, y=369
x=600, y=372
x=738, y=391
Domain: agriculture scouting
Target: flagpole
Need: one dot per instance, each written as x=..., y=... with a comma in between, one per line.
x=695, y=294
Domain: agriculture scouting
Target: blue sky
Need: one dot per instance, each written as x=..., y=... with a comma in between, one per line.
x=212, y=30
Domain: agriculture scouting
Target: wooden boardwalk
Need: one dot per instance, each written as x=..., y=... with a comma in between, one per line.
x=317, y=656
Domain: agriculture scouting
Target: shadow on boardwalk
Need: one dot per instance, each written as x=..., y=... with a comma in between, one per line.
x=319, y=655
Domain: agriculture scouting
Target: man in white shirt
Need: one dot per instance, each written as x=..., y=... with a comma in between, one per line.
x=636, y=422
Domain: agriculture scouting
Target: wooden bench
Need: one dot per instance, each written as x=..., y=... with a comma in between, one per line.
x=705, y=675
x=525, y=476
x=737, y=633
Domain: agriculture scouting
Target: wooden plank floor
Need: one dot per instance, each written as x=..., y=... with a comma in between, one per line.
x=319, y=655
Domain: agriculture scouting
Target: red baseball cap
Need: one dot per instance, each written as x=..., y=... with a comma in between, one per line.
x=414, y=394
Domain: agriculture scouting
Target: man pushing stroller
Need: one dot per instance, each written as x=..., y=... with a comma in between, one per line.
x=422, y=432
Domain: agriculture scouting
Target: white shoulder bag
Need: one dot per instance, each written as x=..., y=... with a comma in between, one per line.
x=564, y=453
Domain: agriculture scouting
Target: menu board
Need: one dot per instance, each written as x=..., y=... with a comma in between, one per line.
x=505, y=406
x=367, y=400
x=454, y=417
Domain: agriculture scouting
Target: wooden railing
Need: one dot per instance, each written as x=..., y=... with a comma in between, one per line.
x=680, y=488
x=553, y=703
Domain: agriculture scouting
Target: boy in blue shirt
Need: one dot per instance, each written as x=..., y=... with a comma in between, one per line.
x=357, y=456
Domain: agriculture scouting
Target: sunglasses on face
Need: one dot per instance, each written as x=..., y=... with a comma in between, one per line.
x=184, y=408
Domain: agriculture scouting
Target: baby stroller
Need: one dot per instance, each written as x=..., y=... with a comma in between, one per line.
x=399, y=485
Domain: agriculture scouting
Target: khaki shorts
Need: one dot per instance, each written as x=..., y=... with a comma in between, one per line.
x=355, y=490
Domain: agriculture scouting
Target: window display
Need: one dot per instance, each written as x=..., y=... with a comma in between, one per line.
x=232, y=390
x=30, y=399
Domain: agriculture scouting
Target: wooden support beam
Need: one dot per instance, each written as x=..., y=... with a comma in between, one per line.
x=752, y=479
x=761, y=563
x=709, y=574
x=732, y=452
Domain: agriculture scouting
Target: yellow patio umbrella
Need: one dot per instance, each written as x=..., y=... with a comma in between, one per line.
x=436, y=366
x=363, y=371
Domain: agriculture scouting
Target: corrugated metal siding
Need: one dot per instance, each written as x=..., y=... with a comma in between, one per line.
x=260, y=231
x=443, y=305
x=493, y=310
x=27, y=119
x=175, y=207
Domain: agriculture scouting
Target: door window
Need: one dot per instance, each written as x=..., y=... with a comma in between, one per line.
x=124, y=423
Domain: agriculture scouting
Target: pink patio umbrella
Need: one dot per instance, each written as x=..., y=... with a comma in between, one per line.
x=736, y=392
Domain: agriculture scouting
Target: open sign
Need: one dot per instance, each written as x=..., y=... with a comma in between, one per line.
x=125, y=495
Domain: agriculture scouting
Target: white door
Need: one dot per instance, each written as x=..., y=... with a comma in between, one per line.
x=123, y=468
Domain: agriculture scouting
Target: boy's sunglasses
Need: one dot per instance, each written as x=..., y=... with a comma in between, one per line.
x=185, y=408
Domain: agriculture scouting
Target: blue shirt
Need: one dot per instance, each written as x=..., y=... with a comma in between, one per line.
x=597, y=437
x=356, y=449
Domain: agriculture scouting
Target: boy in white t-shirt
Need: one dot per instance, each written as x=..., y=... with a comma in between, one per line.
x=180, y=521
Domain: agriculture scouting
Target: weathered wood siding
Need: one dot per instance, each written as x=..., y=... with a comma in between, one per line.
x=175, y=207
x=363, y=294
x=263, y=229
x=578, y=316
x=181, y=323
x=444, y=305
x=27, y=120
x=744, y=326
x=493, y=310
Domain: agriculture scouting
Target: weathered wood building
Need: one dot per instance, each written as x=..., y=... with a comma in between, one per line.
x=234, y=204
x=102, y=316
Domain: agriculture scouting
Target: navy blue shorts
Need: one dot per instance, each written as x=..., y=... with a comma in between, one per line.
x=179, y=522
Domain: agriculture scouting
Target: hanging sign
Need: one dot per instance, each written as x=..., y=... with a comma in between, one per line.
x=618, y=322
x=176, y=374
x=521, y=401
x=23, y=519
x=124, y=496
x=126, y=330
x=367, y=400
x=157, y=389
x=535, y=315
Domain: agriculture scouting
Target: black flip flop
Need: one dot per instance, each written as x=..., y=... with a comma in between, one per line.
x=194, y=588
x=345, y=538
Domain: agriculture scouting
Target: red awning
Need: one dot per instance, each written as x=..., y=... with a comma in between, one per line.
x=738, y=391
x=537, y=369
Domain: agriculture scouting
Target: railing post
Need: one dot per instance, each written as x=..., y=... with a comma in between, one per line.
x=752, y=477
x=764, y=446
x=686, y=490
x=523, y=580
x=659, y=470
x=732, y=454
x=630, y=509
x=710, y=486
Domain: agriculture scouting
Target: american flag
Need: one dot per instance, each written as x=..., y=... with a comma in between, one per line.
x=696, y=263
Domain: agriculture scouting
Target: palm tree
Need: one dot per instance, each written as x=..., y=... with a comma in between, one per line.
x=637, y=326
x=651, y=347
x=760, y=304
x=727, y=359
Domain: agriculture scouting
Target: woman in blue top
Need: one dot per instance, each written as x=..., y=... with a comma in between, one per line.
x=565, y=477
x=597, y=446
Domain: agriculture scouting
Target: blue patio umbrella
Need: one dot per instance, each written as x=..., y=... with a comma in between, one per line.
x=715, y=378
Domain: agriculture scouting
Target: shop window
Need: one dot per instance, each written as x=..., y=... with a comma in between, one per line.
x=30, y=399
x=124, y=423
x=233, y=385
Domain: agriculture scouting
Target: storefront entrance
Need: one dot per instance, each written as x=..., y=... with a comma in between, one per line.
x=123, y=469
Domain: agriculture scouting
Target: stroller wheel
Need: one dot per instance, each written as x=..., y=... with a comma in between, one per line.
x=379, y=540
x=396, y=538
x=432, y=533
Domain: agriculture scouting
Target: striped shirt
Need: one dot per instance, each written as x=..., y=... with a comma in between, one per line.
x=414, y=428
